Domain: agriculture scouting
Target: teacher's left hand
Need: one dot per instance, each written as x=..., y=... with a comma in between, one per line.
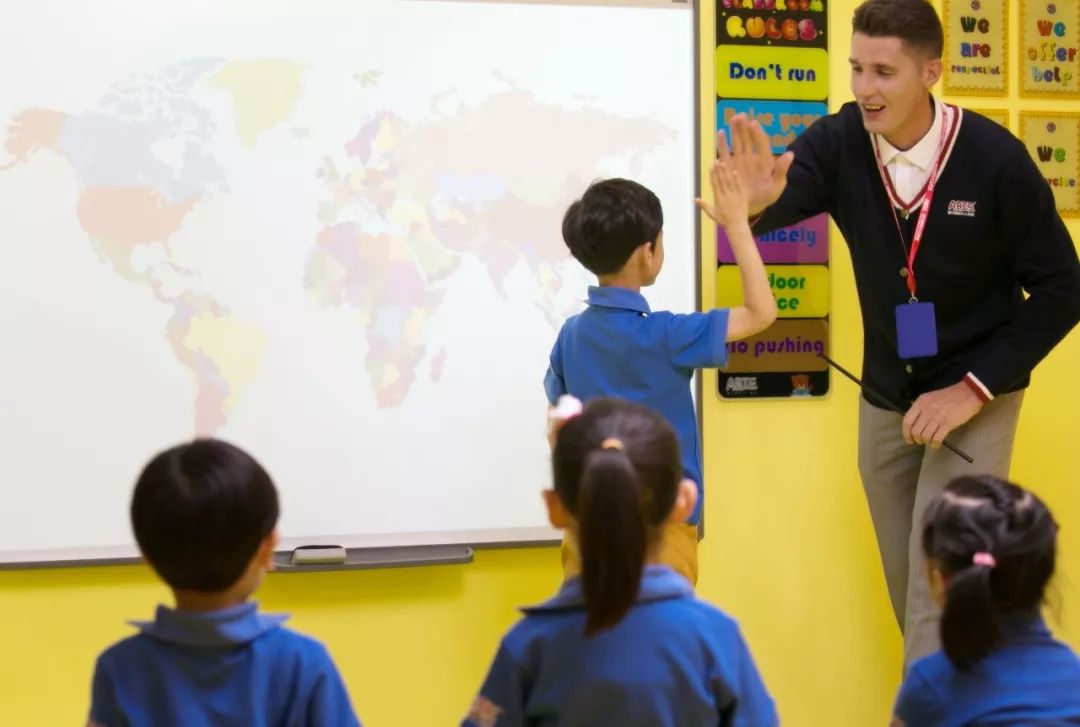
x=937, y=413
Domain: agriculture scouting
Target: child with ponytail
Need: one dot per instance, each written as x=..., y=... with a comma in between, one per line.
x=990, y=548
x=626, y=643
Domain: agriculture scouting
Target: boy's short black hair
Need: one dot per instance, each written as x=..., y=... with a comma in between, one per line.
x=612, y=219
x=200, y=511
x=915, y=22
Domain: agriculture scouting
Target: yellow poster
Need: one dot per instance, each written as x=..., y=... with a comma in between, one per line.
x=1049, y=39
x=761, y=72
x=1053, y=140
x=976, y=59
x=801, y=291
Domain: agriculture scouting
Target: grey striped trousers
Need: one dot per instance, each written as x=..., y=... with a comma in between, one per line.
x=900, y=479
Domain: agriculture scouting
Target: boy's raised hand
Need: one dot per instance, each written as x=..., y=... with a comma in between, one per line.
x=730, y=203
x=764, y=175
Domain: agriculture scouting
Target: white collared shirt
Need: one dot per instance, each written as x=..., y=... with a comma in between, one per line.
x=910, y=169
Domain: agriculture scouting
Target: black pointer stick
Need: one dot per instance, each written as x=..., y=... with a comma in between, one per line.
x=888, y=402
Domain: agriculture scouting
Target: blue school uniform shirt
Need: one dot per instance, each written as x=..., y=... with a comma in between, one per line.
x=229, y=667
x=618, y=347
x=1032, y=679
x=673, y=661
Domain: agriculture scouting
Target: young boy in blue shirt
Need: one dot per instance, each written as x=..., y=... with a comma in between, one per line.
x=204, y=516
x=619, y=347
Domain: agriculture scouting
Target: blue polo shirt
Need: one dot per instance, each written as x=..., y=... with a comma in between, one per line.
x=618, y=347
x=1031, y=679
x=674, y=661
x=229, y=667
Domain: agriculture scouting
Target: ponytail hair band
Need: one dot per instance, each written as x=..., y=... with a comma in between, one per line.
x=984, y=559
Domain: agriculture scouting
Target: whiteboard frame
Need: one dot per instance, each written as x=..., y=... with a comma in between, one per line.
x=488, y=538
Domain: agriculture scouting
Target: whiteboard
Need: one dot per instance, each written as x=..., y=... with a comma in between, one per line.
x=328, y=232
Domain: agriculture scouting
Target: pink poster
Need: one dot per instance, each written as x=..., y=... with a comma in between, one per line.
x=804, y=242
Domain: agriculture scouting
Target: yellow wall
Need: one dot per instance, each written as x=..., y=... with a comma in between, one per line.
x=789, y=551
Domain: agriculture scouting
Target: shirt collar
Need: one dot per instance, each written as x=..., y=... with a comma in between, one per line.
x=607, y=296
x=923, y=153
x=1024, y=623
x=227, y=627
x=658, y=583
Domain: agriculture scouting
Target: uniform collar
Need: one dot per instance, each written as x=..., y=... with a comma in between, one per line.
x=1023, y=624
x=227, y=627
x=925, y=150
x=658, y=583
x=607, y=296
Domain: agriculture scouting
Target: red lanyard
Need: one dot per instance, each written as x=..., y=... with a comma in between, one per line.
x=924, y=211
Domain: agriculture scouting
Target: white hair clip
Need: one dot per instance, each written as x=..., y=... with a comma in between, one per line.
x=565, y=409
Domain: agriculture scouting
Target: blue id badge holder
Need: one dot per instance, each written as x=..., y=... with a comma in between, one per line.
x=916, y=330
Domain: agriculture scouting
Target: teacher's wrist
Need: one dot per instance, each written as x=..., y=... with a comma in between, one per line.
x=971, y=381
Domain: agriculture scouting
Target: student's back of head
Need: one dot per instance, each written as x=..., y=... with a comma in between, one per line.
x=617, y=472
x=991, y=548
x=625, y=642
x=611, y=220
x=200, y=511
x=204, y=515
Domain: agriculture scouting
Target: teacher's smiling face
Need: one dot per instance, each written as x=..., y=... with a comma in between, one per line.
x=890, y=81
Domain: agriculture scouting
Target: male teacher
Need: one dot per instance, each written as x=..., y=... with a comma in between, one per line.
x=949, y=222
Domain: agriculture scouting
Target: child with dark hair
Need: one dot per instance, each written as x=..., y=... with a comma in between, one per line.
x=626, y=643
x=990, y=550
x=618, y=346
x=204, y=516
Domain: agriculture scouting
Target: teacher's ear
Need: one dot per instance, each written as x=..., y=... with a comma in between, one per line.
x=931, y=72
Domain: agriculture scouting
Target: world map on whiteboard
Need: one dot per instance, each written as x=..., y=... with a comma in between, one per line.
x=396, y=208
x=329, y=233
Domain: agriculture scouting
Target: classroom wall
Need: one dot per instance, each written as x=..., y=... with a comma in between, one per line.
x=789, y=551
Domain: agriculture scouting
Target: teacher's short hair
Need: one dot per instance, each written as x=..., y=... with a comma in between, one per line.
x=915, y=22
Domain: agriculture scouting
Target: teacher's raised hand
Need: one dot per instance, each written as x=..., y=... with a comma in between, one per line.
x=751, y=154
